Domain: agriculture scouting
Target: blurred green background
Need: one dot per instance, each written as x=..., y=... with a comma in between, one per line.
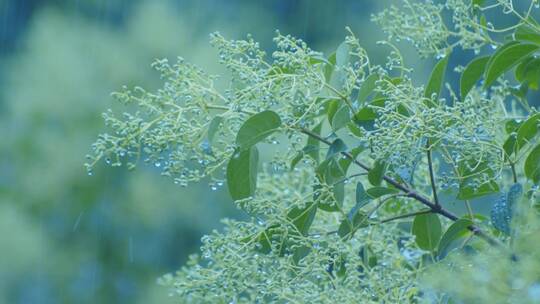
x=66, y=237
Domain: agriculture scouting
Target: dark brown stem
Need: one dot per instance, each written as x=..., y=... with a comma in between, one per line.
x=431, y=175
x=435, y=208
x=514, y=174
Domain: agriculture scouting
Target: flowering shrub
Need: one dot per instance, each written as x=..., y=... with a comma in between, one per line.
x=347, y=169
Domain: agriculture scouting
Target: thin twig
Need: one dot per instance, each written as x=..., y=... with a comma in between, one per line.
x=431, y=175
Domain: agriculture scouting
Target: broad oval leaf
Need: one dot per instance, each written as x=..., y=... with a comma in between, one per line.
x=331, y=109
x=527, y=33
x=532, y=165
x=527, y=131
x=468, y=187
x=528, y=72
x=336, y=147
x=376, y=192
x=367, y=88
x=331, y=172
x=362, y=198
x=427, y=230
x=342, y=54
x=349, y=225
x=507, y=57
x=509, y=145
x=313, y=145
x=311, y=149
x=457, y=230
x=329, y=67
x=341, y=118
x=512, y=125
x=472, y=73
x=376, y=174
x=257, y=128
x=436, y=79
x=242, y=173
x=302, y=218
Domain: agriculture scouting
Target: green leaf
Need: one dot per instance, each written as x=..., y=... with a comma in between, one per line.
x=330, y=172
x=376, y=174
x=468, y=188
x=469, y=192
x=478, y=2
x=365, y=114
x=257, y=128
x=512, y=125
x=362, y=198
x=317, y=59
x=349, y=225
x=472, y=73
x=341, y=118
x=214, y=127
x=376, y=192
x=342, y=54
x=300, y=252
x=311, y=149
x=336, y=147
x=457, y=230
x=427, y=230
x=505, y=58
x=436, y=79
x=297, y=158
x=333, y=106
x=242, y=173
x=527, y=131
x=264, y=239
x=528, y=72
x=368, y=257
x=329, y=67
x=509, y=145
x=355, y=130
x=367, y=88
x=532, y=165
x=527, y=33
x=313, y=145
x=302, y=218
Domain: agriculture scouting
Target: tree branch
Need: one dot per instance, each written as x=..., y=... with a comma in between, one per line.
x=435, y=208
